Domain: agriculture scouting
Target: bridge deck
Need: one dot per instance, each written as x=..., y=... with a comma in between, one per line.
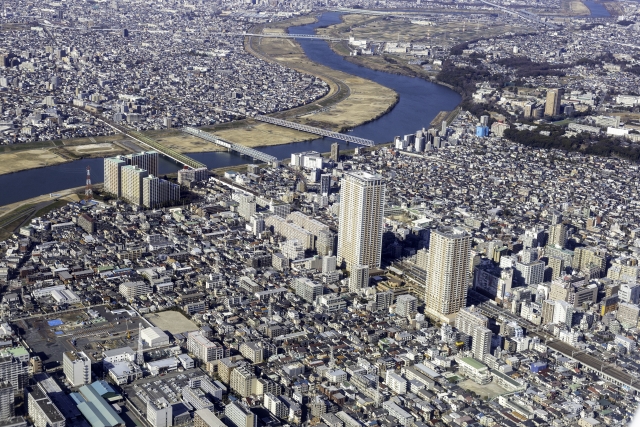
x=165, y=151
x=315, y=130
x=258, y=155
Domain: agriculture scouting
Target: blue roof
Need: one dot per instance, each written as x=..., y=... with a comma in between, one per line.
x=96, y=410
x=102, y=387
x=77, y=399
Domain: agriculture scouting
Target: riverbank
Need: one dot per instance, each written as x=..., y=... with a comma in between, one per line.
x=15, y=215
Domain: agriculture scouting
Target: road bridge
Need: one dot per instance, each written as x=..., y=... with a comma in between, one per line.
x=258, y=155
x=155, y=145
x=315, y=130
x=284, y=36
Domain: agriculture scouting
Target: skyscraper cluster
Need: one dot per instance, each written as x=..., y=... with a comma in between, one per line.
x=134, y=178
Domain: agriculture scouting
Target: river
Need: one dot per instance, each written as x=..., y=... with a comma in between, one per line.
x=597, y=10
x=419, y=102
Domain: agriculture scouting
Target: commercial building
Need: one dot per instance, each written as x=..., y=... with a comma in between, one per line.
x=154, y=337
x=359, y=277
x=360, y=225
x=447, y=272
x=76, y=367
x=159, y=413
x=94, y=407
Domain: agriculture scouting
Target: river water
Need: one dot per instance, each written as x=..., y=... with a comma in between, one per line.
x=597, y=10
x=419, y=102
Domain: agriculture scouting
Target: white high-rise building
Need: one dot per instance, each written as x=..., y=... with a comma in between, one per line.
x=360, y=227
x=112, y=176
x=6, y=400
x=157, y=192
x=328, y=264
x=202, y=348
x=447, y=272
x=481, y=342
x=406, y=306
x=76, y=367
x=359, y=278
x=131, y=180
x=563, y=313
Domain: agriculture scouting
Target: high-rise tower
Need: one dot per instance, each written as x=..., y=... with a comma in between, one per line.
x=362, y=197
x=447, y=272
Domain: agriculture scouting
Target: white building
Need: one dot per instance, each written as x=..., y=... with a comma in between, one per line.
x=360, y=226
x=202, y=348
x=447, y=272
x=154, y=337
x=240, y=415
x=77, y=368
x=406, y=306
x=159, y=413
x=396, y=382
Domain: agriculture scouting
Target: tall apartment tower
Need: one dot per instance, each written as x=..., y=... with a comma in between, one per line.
x=77, y=368
x=359, y=278
x=6, y=401
x=558, y=235
x=325, y=184
x=360, y=226
x=554, y=101
x=132, y=179
x=147, y=160
x=157, y=192
x=481, y=342
x=447, y=272
x=335, y=152
x=112, y=182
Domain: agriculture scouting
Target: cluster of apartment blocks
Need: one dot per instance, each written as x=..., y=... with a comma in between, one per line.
x=134, y=178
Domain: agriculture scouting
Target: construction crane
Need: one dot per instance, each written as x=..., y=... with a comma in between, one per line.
x=128, y=331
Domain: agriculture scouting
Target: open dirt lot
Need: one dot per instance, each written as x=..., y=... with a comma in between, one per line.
x=490, y=390
x=171, y=321
x=28, y=159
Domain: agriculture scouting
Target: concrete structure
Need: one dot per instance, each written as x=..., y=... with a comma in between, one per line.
x=240, y=416
x=447, y=272
x=7, y=398
x=205, y=418
x=154, y=337
x=41, y=409
x=158, y=192
x=202, y=348
x=77, y=368
x=360, y=225
x=406, y=306
x=132, y=290
x=359, y=277
x=131, y=179
x=481, y=342
x=159, y=413
x=554, y=102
